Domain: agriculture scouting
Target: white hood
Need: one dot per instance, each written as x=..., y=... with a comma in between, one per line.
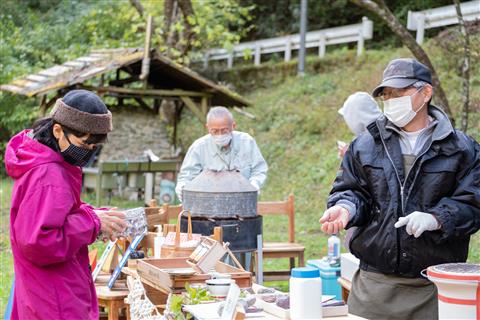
x=359, y=110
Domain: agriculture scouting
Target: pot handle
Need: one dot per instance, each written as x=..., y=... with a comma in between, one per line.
x=177, y=229
x=423, y=273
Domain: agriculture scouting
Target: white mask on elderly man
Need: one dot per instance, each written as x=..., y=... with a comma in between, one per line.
x=400, y=110
x=222, y=140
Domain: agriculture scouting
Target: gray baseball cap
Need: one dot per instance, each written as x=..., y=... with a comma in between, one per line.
x=402, y=73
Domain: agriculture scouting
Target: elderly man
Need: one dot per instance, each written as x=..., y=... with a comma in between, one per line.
x=412, y=187
x=223, y=149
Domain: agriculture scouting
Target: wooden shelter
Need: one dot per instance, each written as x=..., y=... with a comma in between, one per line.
x=129, y=73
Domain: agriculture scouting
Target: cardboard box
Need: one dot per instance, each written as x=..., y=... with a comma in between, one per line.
x=348, y=265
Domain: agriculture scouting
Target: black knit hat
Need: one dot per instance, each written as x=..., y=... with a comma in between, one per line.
x=83, y=111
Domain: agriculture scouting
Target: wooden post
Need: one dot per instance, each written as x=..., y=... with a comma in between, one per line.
x=291, y=218
x=218, y=234
x=119, y=100
x=146, y=56
x=43, y=106
x=194, y=108
x=204, y=104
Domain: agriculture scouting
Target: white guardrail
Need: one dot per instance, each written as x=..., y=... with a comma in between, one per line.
x=439, y=17
x=319, y=38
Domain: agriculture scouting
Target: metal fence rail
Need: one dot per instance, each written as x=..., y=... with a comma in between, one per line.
x=319, y=38
x=441, y=16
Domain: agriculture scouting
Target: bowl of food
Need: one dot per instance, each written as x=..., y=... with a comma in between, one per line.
x=219, y=287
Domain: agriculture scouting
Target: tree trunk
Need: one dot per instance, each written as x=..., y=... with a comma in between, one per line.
x=171, y=16
x=380, y=9
x=188, y=35
x=465, y=67
x=138, y=6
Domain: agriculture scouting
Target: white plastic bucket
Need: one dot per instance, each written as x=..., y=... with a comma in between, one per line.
x=458, y=287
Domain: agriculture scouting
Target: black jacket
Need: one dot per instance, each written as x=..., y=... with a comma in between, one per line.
x=444, y=181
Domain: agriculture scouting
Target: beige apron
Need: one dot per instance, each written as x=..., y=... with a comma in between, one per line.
x=380, y=296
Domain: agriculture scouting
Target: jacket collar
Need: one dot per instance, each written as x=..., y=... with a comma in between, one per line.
x=384, y=127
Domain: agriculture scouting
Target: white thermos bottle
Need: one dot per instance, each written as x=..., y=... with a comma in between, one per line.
x=305, y=293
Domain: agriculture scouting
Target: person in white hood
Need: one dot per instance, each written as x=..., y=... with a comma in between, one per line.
x=358, y=111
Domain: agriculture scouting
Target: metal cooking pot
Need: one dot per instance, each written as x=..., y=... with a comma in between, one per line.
x=223, y=194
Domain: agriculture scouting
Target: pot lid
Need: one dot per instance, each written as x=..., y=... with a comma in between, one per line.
x=459, y=271
x=219, y=182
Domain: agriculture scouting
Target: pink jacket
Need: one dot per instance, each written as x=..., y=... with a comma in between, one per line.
x=50, y=229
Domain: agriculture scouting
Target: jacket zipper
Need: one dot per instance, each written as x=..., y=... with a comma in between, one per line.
x=401, y=200
x=415, y=161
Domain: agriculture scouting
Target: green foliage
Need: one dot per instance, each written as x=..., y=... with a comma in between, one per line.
x=196, y=295
x=193, y=295
x=217, y=23
x=36, y=34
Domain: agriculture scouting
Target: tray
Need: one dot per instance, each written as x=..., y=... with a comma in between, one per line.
x=159, y=273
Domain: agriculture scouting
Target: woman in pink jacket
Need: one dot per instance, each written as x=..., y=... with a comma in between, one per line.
x=50, y=227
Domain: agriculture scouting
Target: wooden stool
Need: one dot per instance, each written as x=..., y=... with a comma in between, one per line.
x=113, y=300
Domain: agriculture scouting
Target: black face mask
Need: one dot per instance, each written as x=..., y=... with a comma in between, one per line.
x=77, y=156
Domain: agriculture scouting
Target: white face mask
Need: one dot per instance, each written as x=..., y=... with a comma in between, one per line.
x=400, y=110
x=222, y=140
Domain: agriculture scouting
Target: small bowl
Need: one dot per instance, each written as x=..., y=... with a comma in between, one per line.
x=219, y=287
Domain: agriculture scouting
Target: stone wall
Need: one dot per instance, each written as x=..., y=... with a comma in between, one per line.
x=135, y=130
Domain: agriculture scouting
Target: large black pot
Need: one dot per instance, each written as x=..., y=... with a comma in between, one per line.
x=241, y=233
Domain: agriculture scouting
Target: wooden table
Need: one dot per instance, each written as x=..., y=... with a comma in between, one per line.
x=113, y=300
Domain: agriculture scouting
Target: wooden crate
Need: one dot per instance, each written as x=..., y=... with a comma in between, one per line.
x=153, y=270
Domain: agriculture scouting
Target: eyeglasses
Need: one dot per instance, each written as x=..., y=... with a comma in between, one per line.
x=392, y=93
x=219, y=131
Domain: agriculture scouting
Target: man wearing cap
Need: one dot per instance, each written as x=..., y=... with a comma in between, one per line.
x=412, y=189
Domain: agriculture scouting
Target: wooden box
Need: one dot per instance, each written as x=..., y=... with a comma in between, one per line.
x=207, y=253
x=155, y=272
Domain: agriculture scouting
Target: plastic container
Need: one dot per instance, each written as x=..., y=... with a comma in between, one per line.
x=167, y=191
x=329, y=275
x=333, y=247
x=305, y=294
x=458, y=287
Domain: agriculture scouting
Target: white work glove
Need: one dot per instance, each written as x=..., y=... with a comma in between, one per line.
x=417, y=222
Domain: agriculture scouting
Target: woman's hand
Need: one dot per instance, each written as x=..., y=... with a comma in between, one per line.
x=111, y=222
